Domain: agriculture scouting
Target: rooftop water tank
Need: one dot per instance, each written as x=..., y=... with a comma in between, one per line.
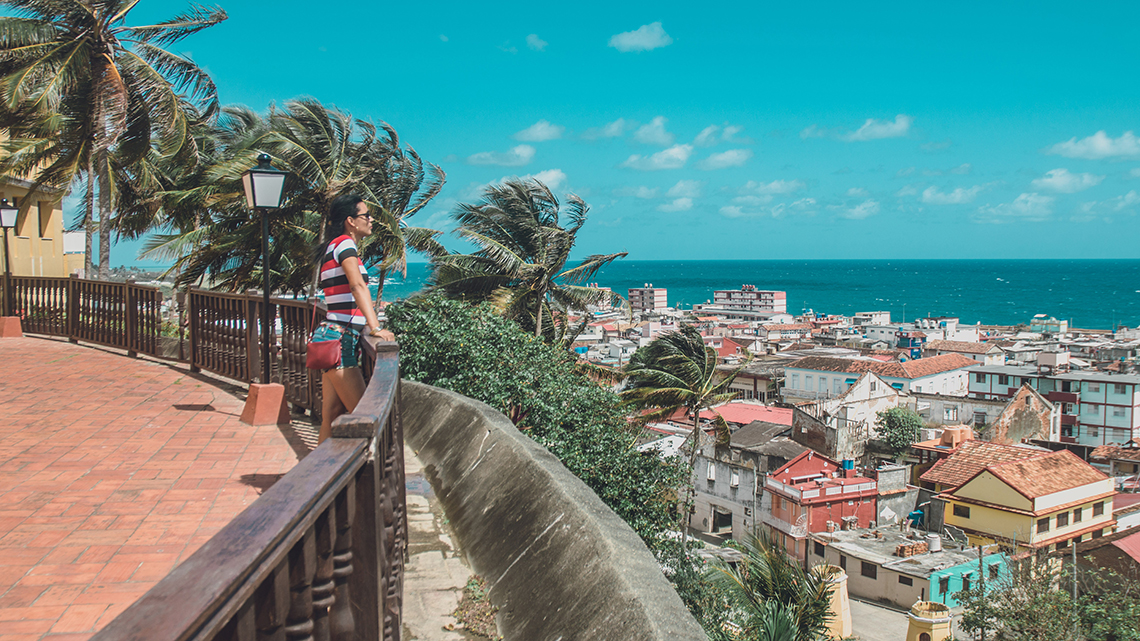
x=933, y=542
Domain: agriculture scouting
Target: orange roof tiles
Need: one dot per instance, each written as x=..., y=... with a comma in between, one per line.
x=973, y=457
x=910, y=369
x=1047, y=473
x=962, y=347
x=745, y=413
x=790, y=327
x=1115, y=452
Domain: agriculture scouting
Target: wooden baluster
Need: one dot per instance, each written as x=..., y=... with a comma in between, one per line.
x=342, y=624
x=272, y=604
x=323, y=586
x=243, y=627
x=302, y=566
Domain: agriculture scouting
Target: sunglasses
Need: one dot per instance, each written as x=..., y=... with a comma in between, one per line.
x=368, y=216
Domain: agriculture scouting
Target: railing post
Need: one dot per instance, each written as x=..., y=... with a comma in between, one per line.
x=73, y=308
x=7, y=310
x=323, y=586
x=366, y=582
x=341, y=619
x=302, y=566
x=195, y=328
x=131, y=326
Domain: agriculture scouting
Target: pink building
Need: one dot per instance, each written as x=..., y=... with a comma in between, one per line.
x=648, y=298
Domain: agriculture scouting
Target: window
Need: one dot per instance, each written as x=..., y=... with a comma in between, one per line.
x=778, y=502
x=1094, y=387
x=979, y=418
x=869, y=570
x=1062, y=519
x=1118, y=388
x=962, y=511
x=822, y=384
x=808, y=382
x=950, y=413
x=1119, y=412
x=906, y=580
x=979, y=378
x=842, y=562
x=836, y=386
x=965, y=581
x=873, y=385
x=795, y=381
x=1067, y=408
x=1043, y=525
x=1098, y=509
x=734, y=481
x=923, y=637
x=1077, y=514
x=944, y=585
x=1061, y=545
x=897, y=385
x=995, y=571
x=1094, y=430
x=1097, y=534
x=817, y=547
x=711, y=475
x=1003, y=379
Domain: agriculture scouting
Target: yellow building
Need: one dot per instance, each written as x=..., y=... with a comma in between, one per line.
x=37, y=242
x=1039, y=503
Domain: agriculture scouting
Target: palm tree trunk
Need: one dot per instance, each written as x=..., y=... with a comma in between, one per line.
x=89, y=222
x=538, y=321
x=104, y=218
x=380, y=290
x=690, y=488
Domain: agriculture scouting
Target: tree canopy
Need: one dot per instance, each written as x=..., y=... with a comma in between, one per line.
x=899, y=427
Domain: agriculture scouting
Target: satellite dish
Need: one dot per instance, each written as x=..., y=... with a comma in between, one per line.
x=799, y=530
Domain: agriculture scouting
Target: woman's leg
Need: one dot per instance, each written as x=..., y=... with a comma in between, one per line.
x=346, y=386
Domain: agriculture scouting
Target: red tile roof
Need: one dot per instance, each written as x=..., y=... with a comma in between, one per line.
x=969, y=459
x=745, y=413
x=1115, y=452
x=790, y=327
x=961, y=347
x=909, y=370
x=1130, y=545
x=1047, y=473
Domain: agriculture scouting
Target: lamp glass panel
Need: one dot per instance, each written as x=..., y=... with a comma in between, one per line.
x=267, y=189
x=248, y=187
x=8, y=217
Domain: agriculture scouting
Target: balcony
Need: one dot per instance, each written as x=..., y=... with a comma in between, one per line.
x=320, y=546
x=1062, y=397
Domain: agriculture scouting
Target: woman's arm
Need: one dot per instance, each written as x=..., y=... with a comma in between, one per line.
x=360, y=293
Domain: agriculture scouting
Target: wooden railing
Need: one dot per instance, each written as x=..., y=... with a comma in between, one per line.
x=319, y=555
x=121, y=315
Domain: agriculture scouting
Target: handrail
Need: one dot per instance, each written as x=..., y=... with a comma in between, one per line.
x=319, y=554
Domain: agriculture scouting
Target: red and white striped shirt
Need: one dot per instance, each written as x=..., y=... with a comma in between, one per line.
x=338, y=295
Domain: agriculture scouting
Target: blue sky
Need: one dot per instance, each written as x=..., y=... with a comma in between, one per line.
x=748, y=131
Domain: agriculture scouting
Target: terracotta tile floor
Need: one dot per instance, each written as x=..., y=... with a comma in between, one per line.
x=112, y=470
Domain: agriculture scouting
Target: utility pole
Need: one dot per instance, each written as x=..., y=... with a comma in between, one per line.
x=982, y=586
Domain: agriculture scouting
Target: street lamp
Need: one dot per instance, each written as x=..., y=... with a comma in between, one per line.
x=8, y=214
x=264, y=186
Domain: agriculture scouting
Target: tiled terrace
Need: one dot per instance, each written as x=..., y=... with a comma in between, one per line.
x=112, y=471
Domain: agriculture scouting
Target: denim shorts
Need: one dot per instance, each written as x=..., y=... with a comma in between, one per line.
x=349, y=342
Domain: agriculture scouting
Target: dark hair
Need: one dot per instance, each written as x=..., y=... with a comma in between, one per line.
x=340, y=209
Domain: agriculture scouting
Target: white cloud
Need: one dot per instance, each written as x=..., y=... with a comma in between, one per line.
x=959, y=196
x=774, y=187
x=904, y=172
x=862, y=210
x=685, y=189
x=679, y=204
x=1029, y=206
x=552, y=178
x=748, y=206
x=812, y=131
x=540, y=131
x=962, y=169
x=1135, y=173
x=907, y=190
x=1098, y=146
x=536, y=43
x=645, y=38
x=654, y=133
x=707, y=137
x=875, y=129
x=732, y=211
x=637, y=192
x=1125, y=201
x=443, y=37
x=730, y=132
x=614, y=129
x=730, y=158
x=674, y=157
x=508, y=47
x=753, y=200
x=857, y=192
x=1066, y=182
x=516, y=157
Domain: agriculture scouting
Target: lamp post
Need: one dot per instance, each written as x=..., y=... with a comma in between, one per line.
x=264, y=187
x=8, y=214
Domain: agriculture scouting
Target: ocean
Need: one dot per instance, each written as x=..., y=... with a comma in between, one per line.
x=1091, y=294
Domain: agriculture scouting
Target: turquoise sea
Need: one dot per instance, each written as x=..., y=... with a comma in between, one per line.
x=1092, y=294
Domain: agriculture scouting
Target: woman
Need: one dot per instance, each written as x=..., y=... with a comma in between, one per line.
x=345, y=284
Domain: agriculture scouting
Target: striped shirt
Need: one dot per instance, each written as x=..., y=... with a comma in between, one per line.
x=338, y=295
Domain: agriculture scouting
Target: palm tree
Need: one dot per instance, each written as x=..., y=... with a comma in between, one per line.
x=677, y=370
x=522, y=252
x=771, y=597
x=326, y=152
x=82, y=93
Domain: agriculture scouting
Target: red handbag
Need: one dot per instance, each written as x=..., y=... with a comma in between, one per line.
x=321, y=354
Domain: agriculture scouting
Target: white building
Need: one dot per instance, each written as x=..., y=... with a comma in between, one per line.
x=648, y=298
x=750, y=299
x=871, y=318
x=825, y=377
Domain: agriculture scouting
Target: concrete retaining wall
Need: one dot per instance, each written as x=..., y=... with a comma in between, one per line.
x=560, y=564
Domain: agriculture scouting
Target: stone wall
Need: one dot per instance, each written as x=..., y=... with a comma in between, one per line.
x=560, y=564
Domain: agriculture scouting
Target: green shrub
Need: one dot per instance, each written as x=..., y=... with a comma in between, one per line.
x=475, y=352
